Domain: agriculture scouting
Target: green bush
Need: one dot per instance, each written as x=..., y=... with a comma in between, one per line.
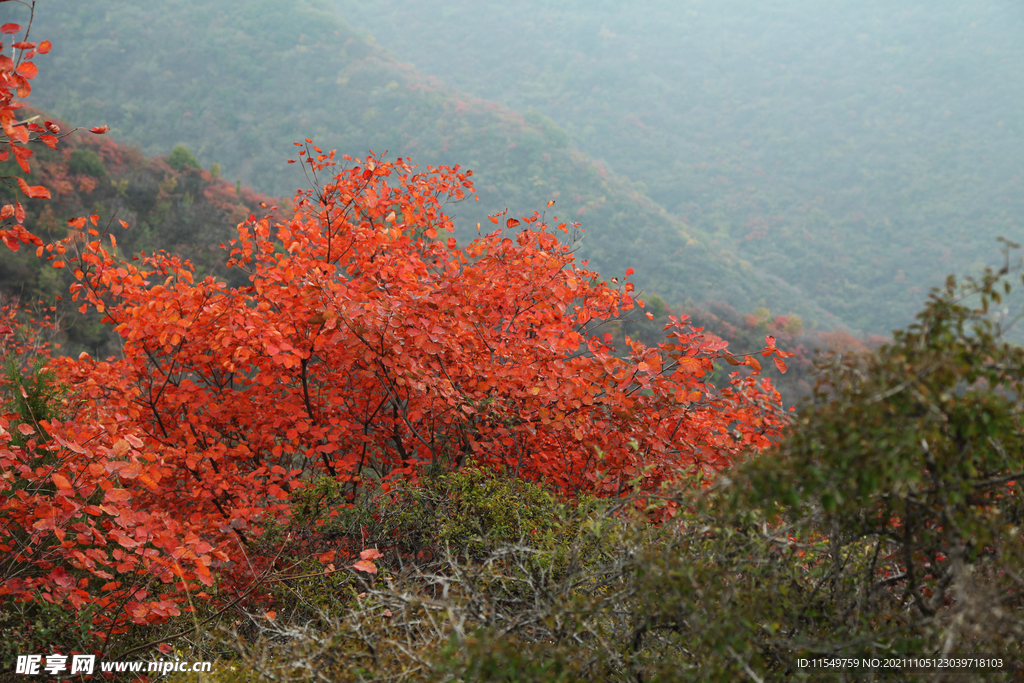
x=180, y=157
x=87, y=162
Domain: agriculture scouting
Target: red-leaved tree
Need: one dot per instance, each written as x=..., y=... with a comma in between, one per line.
x=368, y=346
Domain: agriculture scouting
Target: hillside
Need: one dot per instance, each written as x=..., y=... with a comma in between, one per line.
x=168, y=203
x=859, y=151
x=239, y=82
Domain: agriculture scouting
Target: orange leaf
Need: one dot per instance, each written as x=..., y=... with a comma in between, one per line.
x=753, y=362
x=689, y=365
x=99, y=130
x=780, y=364
x=365, y=566
x=26, y=429
x=511, y=223
x=551, y=202
x=61, y=481
x=10, y=28
x=370, y=554
x=44, y=47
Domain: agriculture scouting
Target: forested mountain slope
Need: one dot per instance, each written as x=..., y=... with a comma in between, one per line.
x=168, y=203
x=858, y=150
x=238, y=82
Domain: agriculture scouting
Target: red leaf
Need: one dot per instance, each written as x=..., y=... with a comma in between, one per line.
x=753, y=362
x=99, y=130
x=26, y=429
x=370, y=554
x=117, y=496
x=28, y=70
x=779, y=364
x=511, y=223
x=33, y=191
x=10, y=28
x=44, y=47
x=61, y=481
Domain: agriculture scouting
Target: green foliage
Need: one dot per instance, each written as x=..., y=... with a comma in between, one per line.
x=88, y=162
x=484, y=512
x=40, y=627
x=181, y=158
x=35, y=395
x=469, y=512
x=904, y=467
x=489, y=656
